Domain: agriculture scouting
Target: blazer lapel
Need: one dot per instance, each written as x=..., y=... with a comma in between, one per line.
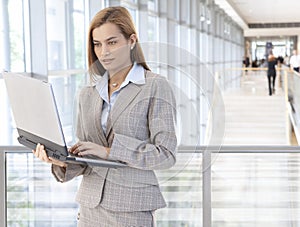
x=98, y=114
x=126, y=96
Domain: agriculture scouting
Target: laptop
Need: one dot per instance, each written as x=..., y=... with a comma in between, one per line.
x=37, y=120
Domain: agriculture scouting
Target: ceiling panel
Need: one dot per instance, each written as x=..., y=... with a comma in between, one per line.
x=267, y=11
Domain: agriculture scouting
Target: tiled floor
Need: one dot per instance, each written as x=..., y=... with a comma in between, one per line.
x=252, y=116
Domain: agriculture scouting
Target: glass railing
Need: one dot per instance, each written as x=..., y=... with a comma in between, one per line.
x=231, y=186
x=33, y=197
x=293, y=96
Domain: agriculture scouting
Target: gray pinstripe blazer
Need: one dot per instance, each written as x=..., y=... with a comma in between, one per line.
x=140, y=132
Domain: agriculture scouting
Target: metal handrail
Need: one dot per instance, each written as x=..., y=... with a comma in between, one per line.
x=199, y=149
x=240, y=149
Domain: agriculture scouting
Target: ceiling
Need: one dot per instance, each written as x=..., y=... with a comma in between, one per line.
x=271, y=12
x=268, y=11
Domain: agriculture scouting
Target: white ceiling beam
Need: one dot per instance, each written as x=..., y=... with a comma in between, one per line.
x=259, y=32
x=228, y=7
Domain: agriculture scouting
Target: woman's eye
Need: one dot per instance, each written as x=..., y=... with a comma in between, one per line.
x=112, y=42
x=97, y=44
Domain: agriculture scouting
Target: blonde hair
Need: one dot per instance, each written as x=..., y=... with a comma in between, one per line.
x=121, y=17
x=271, y=57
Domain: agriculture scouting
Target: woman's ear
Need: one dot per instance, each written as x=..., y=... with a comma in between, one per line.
x=133, y=40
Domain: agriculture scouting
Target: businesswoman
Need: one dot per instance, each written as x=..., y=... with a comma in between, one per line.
x=127, y=114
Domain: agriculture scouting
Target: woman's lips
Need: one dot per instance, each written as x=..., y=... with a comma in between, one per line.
x=107, y=61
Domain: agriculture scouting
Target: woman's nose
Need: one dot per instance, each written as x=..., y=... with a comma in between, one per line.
x=105, y=51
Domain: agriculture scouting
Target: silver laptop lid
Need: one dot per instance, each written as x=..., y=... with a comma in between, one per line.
x=34, y=108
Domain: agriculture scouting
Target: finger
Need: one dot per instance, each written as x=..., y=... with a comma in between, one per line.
x=36, y=151
x=43, y=153
x=75, y=149
x=39, y=150
x=83, y=153
x=71, y=149
x=83, y=150
x=80, y=148
x=87, y=150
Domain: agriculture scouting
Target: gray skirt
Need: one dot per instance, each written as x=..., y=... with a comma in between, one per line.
x=100, y=217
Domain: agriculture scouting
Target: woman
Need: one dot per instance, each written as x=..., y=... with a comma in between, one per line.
x=272, y=62
x=128, y=115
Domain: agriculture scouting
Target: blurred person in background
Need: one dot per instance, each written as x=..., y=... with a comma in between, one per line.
x=295, y=61
x=272, y=62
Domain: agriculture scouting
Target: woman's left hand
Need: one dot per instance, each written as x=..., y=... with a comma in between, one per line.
x=88, y=148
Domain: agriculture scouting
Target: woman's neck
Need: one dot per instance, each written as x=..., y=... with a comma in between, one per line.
x=116, y=78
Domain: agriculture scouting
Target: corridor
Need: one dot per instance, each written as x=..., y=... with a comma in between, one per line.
x=248, y=189
x=252, y=117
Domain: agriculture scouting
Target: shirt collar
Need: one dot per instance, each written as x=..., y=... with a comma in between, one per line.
x=136, y=75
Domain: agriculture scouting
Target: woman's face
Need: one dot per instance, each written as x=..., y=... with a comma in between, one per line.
x=111, y=47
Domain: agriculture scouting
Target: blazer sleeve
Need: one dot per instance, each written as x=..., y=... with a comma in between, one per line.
x=158, y=152
x=71, y=171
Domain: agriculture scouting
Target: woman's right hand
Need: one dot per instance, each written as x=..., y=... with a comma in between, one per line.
x=40, y=153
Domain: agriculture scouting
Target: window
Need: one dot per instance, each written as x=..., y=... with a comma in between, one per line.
x=152, y=28
x=12, y=56
x=34, y=198
x=66, y=34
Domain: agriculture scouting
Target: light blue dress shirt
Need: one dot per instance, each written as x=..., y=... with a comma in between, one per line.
x=136, y=75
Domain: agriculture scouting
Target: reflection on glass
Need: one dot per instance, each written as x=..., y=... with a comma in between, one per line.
x=12, y=51
x=8, y=131
x=34, y=198
x=152, y=28
x=66, y=34
x=66, y=90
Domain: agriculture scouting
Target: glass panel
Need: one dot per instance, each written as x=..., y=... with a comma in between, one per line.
x=131, y=1
x=56, y=34
x=2, y=37
x=256, y=190
x=294, y=96
x=66, y=34
x=8, y=132
x=78, y=59
x=12, y=37
x=182, y=188
x=133, y=13
x=152, y=28
x=16, y=36
x=34, y=198
x=66, y=89
x=152, y=5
